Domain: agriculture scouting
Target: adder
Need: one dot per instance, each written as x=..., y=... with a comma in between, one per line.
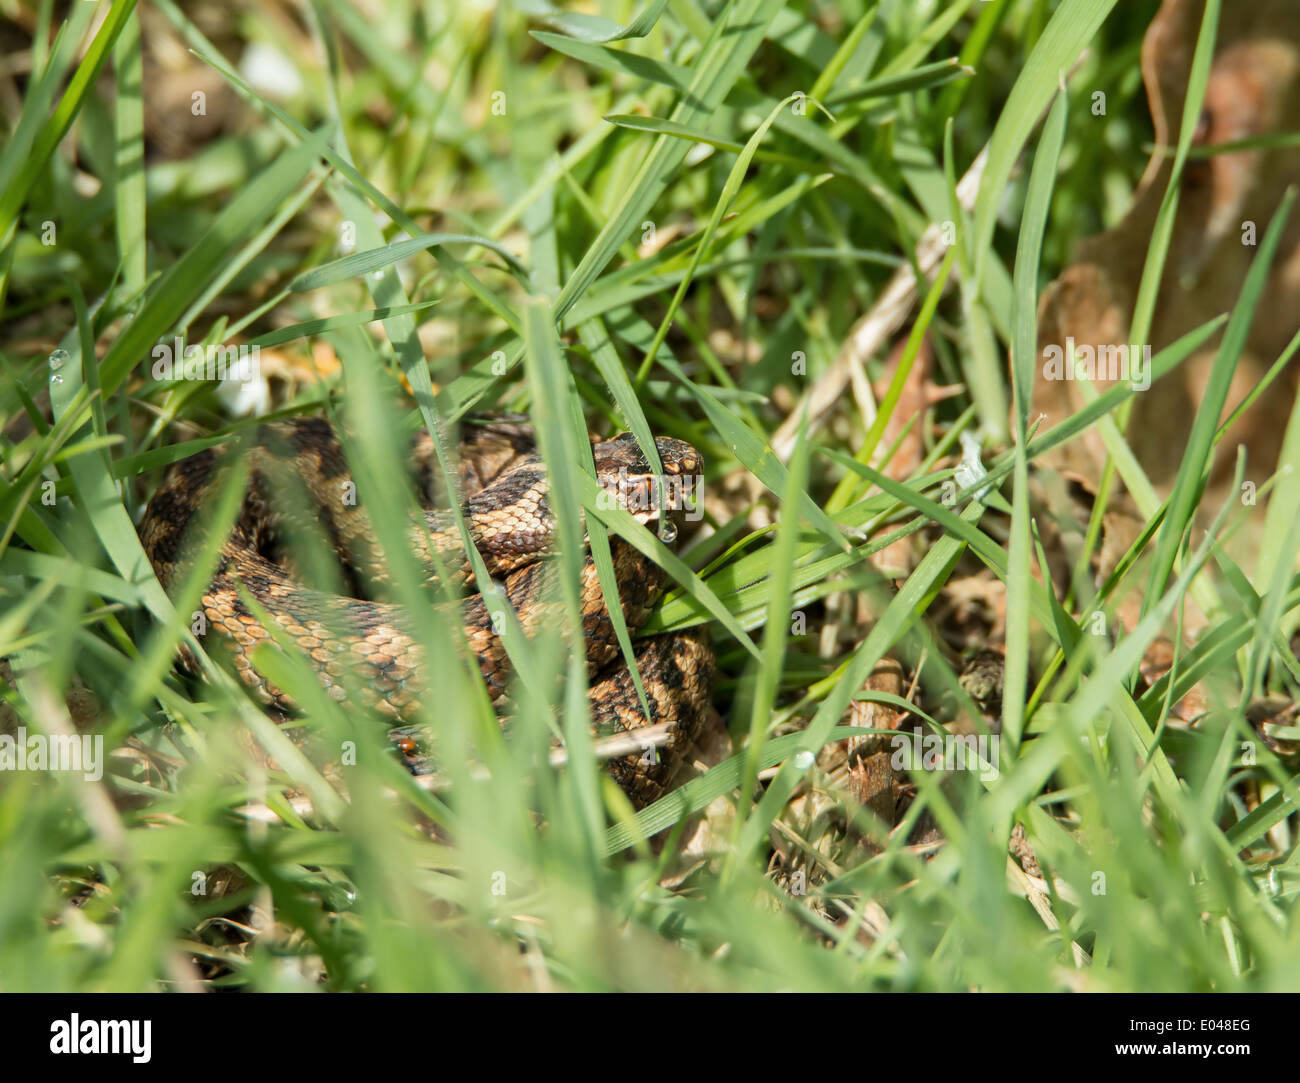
x=299, y=482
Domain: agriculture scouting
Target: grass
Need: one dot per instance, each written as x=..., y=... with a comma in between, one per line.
x=664, y=220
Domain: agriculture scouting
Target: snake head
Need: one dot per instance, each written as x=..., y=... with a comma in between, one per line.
x=629, y=481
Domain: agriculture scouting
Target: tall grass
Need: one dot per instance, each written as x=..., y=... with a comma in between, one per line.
x=635, y=222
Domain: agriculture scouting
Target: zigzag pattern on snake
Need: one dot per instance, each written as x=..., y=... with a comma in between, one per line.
x=299, y=485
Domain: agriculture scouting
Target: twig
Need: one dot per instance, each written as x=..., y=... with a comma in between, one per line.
x=607, y=748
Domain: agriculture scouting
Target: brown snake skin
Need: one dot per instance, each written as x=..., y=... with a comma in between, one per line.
x=299, y=484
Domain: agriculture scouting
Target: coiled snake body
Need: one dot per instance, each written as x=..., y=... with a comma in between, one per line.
x=299, y=484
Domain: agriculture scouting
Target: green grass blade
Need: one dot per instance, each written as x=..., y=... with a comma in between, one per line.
x=14, y=194
x=128, y=172
x=737, y=33
x=183, y=281
x=1071, y=27
x=1182, y=501
x=1023, y=355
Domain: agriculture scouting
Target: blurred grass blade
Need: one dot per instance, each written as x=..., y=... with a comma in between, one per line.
x=1066, y=35
x=362, y=263
x=1024, y=348
x=15, y=192
x=922, y=78
x=186, y=278
x=737, y=32
x=308, y=328
x=1162, y=230
x=128, y=165
x=776, y=630
x=1200, y=443
x=594, y=28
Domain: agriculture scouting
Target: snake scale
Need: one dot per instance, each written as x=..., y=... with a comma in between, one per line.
x=361, y=645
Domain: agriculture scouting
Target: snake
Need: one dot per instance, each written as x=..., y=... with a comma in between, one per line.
x=363, y=646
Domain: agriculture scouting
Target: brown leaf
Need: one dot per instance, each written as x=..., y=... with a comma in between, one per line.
x=1253, y=90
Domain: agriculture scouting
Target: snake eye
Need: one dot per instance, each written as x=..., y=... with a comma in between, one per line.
x=642, y=496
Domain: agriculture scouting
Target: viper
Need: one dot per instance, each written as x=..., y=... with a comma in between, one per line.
x=362, y=644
